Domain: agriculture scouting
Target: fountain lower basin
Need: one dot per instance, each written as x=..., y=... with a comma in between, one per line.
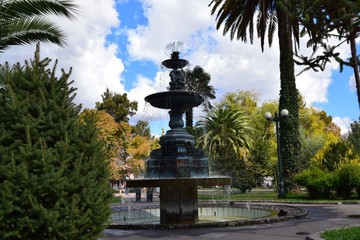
x=219, y=214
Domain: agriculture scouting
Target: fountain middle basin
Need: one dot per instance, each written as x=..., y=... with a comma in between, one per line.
x=176, y=99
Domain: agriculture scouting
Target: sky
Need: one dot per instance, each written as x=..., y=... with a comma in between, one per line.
x=120, y=44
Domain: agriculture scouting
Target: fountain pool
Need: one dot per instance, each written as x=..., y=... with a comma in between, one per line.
x=209, y=215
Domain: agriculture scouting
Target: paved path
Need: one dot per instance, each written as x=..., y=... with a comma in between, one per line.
x=320, y=218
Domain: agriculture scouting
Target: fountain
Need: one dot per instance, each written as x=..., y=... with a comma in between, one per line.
x=177, y=167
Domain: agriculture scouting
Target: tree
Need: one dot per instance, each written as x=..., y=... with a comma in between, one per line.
x=227, y=138
x=227, y=141
x=198, y=80
x=53, y=170
x=245, y=101
x=325, y=19
x=142, y=128
x=117, y=105
x=238, y=18
x=354, y=135
x=114, y=137
x=23, y=21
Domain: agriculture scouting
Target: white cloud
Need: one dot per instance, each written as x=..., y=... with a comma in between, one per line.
x=352, y=84
x=94, y=62
x=343, y=123
x=144, y=87
x=233, y=65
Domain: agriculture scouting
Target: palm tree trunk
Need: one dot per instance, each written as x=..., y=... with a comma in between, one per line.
x=189, y=117
x=289, y=127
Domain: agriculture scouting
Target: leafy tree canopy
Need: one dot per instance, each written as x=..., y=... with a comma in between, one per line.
x=354, y=135
x=117, y=105
x=142, y=128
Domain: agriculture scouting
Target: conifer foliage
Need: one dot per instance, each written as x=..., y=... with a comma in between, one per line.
x=53, y=171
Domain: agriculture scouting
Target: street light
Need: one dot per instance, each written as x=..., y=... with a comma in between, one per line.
x=283, y=114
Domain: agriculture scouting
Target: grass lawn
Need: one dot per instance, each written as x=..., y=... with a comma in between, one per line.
x=266, y=196
x=260, y=195
x=350, y=233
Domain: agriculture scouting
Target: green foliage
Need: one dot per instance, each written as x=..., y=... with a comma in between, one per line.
x=324, y=184
x=348, y=179
x=117, y=105
x=23, y=21
x=319, y=183
x=354, y=136
x=336, y=154
x=53, y=170
x=227, y=139
x=142, y=128
x=243, y=180
x=198, y=80
x=310, y=145
x=348, y=233
x=260, y=158
x=228, y=133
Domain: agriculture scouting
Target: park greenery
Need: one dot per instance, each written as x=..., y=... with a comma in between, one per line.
x=56, y=159
x=251, y=155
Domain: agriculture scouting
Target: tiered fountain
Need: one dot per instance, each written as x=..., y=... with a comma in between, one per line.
x=177, y=167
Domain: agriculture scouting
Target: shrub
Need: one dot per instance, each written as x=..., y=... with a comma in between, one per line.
x=348, y=179
x=53, y=171
x=244, y=181
x=319, y=183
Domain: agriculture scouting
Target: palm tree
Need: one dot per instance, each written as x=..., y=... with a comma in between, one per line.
x=23, y=21
x=228, y=133
x=198, y=80
x=238, y=16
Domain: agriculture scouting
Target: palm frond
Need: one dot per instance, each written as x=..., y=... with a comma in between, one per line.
x=20, y=32
x=30, y=8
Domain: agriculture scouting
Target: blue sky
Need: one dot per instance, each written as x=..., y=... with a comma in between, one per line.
x=120, y=44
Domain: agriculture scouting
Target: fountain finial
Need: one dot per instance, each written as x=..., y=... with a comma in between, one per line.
x=174, y=63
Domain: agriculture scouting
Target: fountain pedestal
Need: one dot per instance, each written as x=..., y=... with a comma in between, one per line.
x=177, y=167
x=179, y=205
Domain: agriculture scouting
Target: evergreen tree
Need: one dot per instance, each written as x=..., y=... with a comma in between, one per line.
x=53, y=171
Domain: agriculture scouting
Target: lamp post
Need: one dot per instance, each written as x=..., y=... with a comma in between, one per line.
x=283, y=114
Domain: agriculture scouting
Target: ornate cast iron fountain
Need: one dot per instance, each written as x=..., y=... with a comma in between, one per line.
x=177, y=167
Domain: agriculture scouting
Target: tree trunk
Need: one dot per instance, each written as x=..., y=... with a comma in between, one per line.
x=189, y=117
x=289, y=127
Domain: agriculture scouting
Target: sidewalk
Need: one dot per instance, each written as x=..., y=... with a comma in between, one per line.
x=321, y=217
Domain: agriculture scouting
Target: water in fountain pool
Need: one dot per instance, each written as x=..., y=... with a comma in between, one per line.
x=207, y=213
